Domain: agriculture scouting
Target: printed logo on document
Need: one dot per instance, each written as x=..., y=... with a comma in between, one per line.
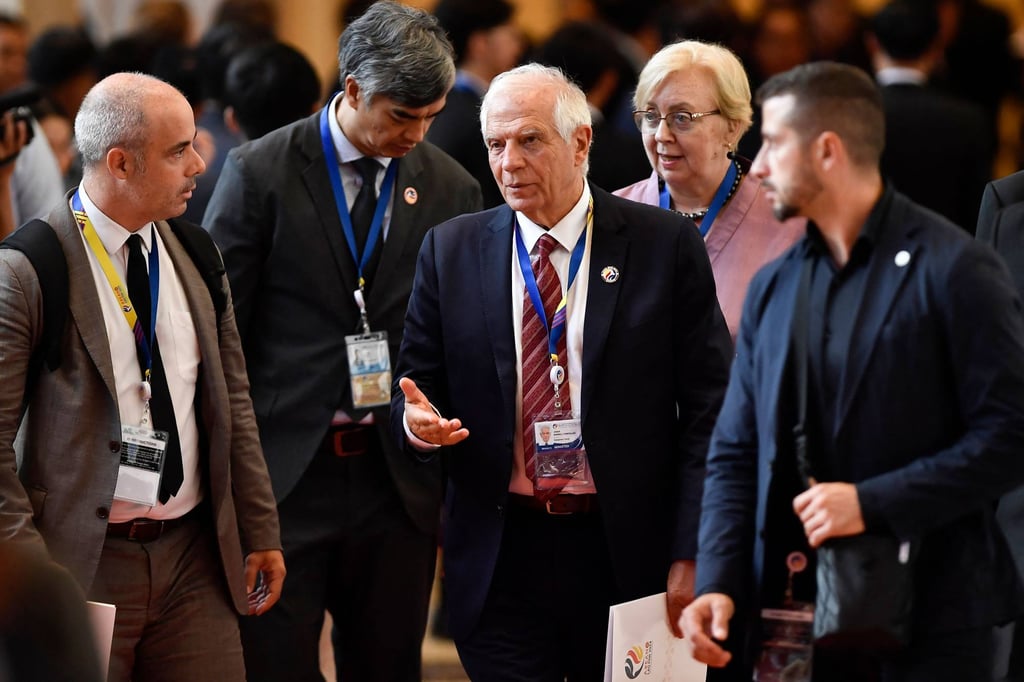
x=638, y=660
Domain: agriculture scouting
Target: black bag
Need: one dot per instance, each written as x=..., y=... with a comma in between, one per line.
x=865, y=582
x=865, y=593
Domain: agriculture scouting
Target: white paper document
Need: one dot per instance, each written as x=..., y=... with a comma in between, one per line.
x=101, y=617
x=641, y=646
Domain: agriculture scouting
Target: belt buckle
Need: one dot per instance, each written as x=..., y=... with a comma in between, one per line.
x=549, y=510
x=145, y=532
x=349, y=442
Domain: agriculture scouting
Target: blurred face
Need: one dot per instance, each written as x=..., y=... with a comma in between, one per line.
x=13, y=57
x=784, y=163
x=384, y=127
x=699, y=153
x=502, y=46
x=537, y=171
x=165, y=170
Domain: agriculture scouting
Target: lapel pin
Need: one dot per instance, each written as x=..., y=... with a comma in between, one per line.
x=411, y=196
x=610, y=274
x=902, y=258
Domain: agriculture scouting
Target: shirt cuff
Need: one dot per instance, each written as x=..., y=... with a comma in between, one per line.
x=418, y=443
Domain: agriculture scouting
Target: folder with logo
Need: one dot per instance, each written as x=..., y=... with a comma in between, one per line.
x=641, y=646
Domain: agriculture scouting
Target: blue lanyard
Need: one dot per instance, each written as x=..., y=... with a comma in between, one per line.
x=331, y=157
x=721, y=194
x=556, y=328
x=120, y=291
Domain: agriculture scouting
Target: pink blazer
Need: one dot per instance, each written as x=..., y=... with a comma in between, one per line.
x=745, y=237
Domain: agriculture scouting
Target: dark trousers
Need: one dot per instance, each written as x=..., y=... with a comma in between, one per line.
x=546, y=615
x=963, y=656
x=351, y=549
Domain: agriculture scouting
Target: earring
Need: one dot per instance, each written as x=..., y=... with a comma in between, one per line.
x=729, y=152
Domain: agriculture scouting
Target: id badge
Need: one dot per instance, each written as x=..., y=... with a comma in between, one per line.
x=560, y=460
x=369, y=369
x=142, y=463
x=787, y=634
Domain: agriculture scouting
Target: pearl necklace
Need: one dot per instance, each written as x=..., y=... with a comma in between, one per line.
x=700, y=213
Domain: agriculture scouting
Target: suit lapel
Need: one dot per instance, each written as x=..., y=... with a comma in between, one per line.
x=884, y=282
x=403, y=217
x=496, y=293
x=608, y=248
x=83, y=299
x=321, y=196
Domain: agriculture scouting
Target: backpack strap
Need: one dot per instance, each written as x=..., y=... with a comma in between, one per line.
x=204, y=253
x=37, y=240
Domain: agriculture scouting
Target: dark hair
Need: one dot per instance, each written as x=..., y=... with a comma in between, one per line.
x=834, y=97
x=906, y=29
x=218, y=46
x=58, y=55
x=398, y=52
x=270, y=86
x=583, y=51
x=461, y=18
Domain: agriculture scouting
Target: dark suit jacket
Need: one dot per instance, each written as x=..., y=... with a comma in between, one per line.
x=274, y=217
x=655, y=357
x=937, y=150
x=69, y=462
x=1001, y=225
x=930, y=419
x=456, y=130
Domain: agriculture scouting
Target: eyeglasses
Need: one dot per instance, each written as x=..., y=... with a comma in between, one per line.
x=678, y=121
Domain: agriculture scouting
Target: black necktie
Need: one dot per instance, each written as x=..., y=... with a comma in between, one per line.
x=160, y=406
x=363, y=209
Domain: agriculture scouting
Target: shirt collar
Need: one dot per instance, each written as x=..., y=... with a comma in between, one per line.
x=470, y=82
x=870, y=233
x=112, y=235
x=898, y=75
x=347, y=152
x=566, y=231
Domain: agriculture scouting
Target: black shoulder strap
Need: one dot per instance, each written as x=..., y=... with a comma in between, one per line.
x=800, y=331
x=39, y=243
x=203, y=251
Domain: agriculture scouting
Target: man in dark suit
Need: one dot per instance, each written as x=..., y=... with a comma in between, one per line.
x=915, y=397
x=938, y=149
x=538, y=546
x=315, y=255
x=179, y=562
x=1001, y=226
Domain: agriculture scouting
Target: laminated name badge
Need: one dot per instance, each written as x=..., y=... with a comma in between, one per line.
x=369, y=369
x=142, y=463
x=560, y=459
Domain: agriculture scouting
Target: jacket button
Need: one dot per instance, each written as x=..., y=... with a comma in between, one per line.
x=115, y=446
x=501, y=510
x=102, y=512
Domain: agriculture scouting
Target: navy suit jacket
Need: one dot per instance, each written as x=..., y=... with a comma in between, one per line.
x=655, y=362
x=930, y=419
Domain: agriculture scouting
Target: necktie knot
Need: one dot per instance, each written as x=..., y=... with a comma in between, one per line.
x=367, y=168
x=546, y=244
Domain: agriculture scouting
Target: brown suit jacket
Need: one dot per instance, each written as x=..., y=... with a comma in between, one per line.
x=56, y=492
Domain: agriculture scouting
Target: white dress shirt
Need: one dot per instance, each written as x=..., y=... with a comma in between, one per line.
x=179, y=350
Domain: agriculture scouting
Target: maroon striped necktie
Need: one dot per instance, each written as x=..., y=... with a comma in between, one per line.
x=538, y=391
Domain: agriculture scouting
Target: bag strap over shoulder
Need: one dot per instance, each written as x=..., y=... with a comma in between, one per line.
x=204, y=253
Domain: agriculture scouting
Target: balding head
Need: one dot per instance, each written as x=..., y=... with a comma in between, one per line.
x=114, y=114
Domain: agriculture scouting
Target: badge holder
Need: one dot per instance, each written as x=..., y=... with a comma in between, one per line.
x=787, y=634
x=369, y=363
x=142, y=458
x=560, y=461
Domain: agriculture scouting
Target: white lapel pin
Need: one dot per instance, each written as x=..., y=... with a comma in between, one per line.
x=610, y=274
x=902, y=258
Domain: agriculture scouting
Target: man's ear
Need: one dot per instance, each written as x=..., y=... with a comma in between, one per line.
x=828, y=150
x=352, y=92
x=120, y=164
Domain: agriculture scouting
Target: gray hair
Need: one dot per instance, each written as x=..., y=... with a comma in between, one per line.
x=113, y=114
x=398, y=52
x=570, y=111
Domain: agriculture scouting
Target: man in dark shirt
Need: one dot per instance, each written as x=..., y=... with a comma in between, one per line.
x=915, y=384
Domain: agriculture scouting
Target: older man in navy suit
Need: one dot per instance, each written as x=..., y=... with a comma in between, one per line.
x=915, y=391
x=596, y=316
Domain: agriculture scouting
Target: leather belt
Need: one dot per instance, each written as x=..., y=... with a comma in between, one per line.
x=347, y=440
x=559, y=505
x=147, y=530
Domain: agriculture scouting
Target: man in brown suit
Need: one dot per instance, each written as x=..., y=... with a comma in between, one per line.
x=182, y=552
